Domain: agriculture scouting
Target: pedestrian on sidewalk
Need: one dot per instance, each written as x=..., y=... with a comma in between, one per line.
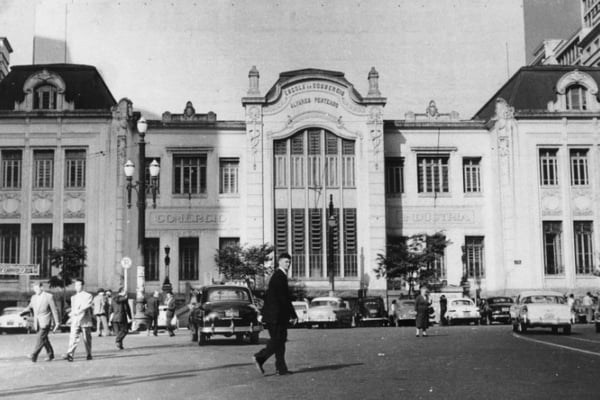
x=170, y=303
x=277, y=313
x=100, y=313
x=121, y=316
x=44, y=313
x=152, y=313
x=81, y=321
x=422, y=304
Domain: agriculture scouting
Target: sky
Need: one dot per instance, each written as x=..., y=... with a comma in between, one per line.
x=161, y=54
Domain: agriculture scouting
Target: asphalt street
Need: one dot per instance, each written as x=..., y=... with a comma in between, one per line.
x=458, y=362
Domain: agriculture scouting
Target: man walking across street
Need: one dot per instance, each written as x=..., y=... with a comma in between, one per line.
x=81, y=320
x=121, y=315
x=277, y=312
x=100, y=313
x=152, y=313
x=44, y=312
x=170, y=303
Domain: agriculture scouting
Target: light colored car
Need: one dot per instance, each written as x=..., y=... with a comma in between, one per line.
x=301, y=308
x=330, y=312
x=462, y=310
x=12, y=321
x=405, y=312
x=162, y=318
x=541, y=308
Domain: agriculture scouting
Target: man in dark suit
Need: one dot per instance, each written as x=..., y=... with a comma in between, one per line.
x=121, y=314
x=277, y=312
x=44, y=313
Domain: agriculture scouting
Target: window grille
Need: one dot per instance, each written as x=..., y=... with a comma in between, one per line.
x=474, y=257
x=549, y=167
x=350, y=243
x=576, y=98
x=152, y=257
x=584, y=248
x=189, y=174
x=472, y=175
x=229, y=172
x=41, y=243
x=75, y=169
x=316, y=242
x=298, y=241
x=11, y=169
x=10, y=245
x=553, y=263
x=579, y=167
x=188, y=259
x=432, y=174
x=394, y=176
x=44, y=169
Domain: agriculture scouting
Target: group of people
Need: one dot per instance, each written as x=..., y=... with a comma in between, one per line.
x=589, y=304
x=112, y=315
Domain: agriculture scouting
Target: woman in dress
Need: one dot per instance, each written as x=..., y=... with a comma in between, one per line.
x=422, y=305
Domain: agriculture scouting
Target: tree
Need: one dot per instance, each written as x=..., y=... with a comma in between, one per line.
x=248, y=263
x=413, y=263
x=70, y=261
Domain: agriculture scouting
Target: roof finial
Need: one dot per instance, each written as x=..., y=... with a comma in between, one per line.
x=373, y=83
x=253, y=76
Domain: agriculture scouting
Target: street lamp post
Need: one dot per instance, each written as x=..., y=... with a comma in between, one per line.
x=167, y=287
x=331, y=224
x=140, y=187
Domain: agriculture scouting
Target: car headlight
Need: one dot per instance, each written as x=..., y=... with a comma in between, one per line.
x=211, y=316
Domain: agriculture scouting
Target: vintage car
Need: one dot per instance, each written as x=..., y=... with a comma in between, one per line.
x=405, y=312
x=12, y=321
x=301, y=308
x=462, y=310
x=496, y=309
x=371, y=311
x=329, y=312
x=545, y=309
x=228, y=310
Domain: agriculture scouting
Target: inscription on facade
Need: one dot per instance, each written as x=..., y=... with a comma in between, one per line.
x=302, y=87
x=318, y=100
x=439, y=218
x=187, y=218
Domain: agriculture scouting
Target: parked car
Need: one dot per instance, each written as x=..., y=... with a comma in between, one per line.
x=301, y=308
x=228, y=310
x=496, y=309
x=539, y=308
x=405, y=313
x=329, y=312
x=371, y=311
x=462, y=310
x=12, y=321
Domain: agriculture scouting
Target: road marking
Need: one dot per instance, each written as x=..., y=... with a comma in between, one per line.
x=593, y=353
x=584, y=340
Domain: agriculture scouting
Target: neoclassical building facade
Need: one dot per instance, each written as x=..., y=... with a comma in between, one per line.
x=314, y=169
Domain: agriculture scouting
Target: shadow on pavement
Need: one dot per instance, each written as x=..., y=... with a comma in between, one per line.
x=331, y=367
x=107, y=381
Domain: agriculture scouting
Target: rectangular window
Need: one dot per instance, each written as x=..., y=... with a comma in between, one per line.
x=553, y=263
x=152, y=258
x=472, y=175
x=280, y=153
x=579, y=167
x=350, y=243
x=281, y=232
x=432, y=174
x=11, y=168
x=74, y=233
x=229, y=175
x=298, y=242
x=41, y=242
x=348, y=174
x=584, y=250
x=474, y=257
x=315, y=238
x=188, y=259
x=297, y=161
x=548, y=167
x=10, y=243
x=228, y=242
x=438, y=265
x=75, y=161
x=314, y=159
x=43, y=161
x=189, y=174
x=148, y=177
x=394, y=176
x=331, y=160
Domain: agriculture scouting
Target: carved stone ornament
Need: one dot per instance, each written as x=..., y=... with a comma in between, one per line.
x=551, y=202
x=43, y=78
x=432, y=111
x=582, y=201
x=188, y=112
x=122, y=115
x=253, y=115
x=503, y=110
x=74, y=205
x=42, y=203
x=503, y=146
x=10, y=205
x=373, y=83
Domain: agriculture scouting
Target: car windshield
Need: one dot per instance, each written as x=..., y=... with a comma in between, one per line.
x=372, y=304
x=461, y=303
x=321, y=303
x=544, y=299
x=407, y=304
x=11, y=311
x=498, y=300
x=227, y=295
x=300, y=306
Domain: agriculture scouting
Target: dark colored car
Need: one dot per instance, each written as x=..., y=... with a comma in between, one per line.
x=228, y=310
x=371, y=311
x=496, y=309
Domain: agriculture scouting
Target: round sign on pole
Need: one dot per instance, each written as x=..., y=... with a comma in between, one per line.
x=126, y=262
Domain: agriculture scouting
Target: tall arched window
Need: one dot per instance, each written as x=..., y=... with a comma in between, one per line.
x=45, y=98
x=576, y=98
